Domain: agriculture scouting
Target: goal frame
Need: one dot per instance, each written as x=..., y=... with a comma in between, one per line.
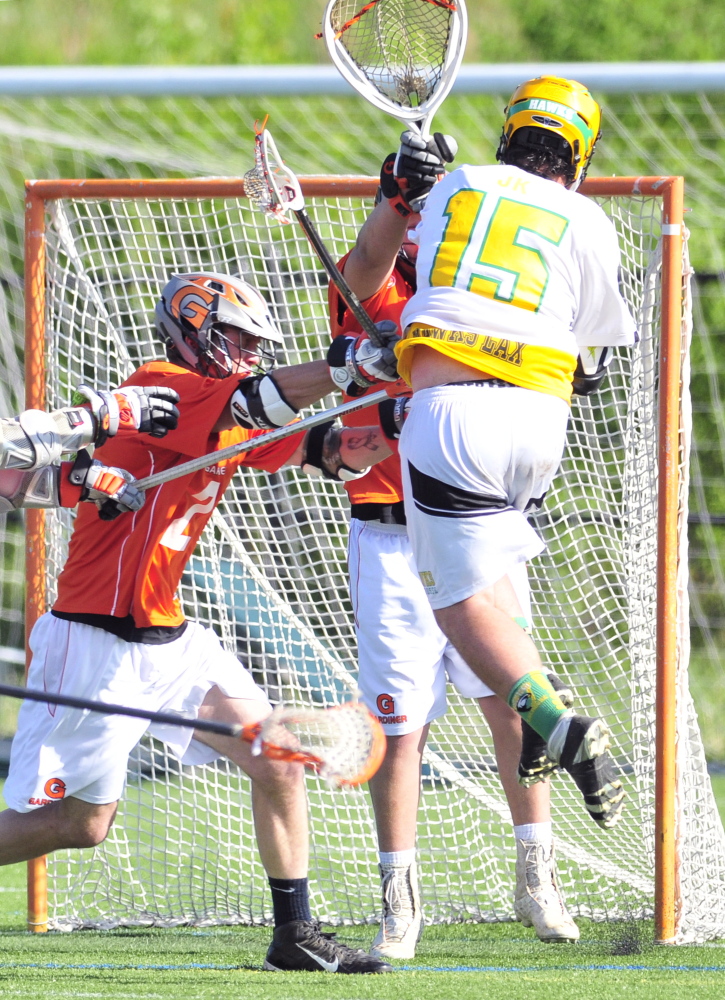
x=671, y=192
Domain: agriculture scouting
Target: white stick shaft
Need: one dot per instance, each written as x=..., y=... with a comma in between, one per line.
x=195, y=464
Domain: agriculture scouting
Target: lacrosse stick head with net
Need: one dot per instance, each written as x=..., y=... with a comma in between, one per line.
x=344, y=744
x=400, y=55
x=270, y=185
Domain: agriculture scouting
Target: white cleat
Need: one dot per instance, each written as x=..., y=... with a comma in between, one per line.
x=538, y=902
x=402, y=923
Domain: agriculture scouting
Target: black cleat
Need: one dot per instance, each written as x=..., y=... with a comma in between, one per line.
x=300, y=946
x=534, y=763
x=586, y=759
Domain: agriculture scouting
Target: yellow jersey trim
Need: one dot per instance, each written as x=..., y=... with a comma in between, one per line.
x=530, y=366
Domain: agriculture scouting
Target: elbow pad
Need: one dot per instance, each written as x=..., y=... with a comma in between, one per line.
x=326, y=438
x=258, y=404
x=591, y=369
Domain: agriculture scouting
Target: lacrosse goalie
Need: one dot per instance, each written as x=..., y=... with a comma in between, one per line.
x=404, y=658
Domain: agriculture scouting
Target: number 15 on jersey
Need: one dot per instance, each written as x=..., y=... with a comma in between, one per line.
x=491, y=246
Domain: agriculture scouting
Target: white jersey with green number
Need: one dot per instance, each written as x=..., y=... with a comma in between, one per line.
x=516, y=274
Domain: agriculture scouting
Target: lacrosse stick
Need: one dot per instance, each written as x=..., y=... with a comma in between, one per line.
x=195, y=464
x=272, y=186
x=400, y=55
x=344, y=744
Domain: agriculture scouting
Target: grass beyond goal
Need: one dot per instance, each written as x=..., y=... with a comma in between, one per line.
x=610, y=607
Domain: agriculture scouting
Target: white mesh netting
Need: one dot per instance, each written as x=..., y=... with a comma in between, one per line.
x=185, y=136
x=270, y=576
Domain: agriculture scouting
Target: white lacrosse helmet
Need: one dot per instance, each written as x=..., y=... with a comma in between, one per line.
x=191, y=310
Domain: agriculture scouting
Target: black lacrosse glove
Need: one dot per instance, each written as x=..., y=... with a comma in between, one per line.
x=419, y=164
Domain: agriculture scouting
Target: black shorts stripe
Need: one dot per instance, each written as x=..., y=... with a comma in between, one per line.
x=439, y=499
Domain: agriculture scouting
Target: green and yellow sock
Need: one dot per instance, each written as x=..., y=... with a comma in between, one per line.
x=536, y=701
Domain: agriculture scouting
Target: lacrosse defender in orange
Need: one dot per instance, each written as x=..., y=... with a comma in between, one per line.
x=117, y=633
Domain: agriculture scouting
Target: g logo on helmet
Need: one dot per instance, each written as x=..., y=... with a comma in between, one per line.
x=54, y=788
x=386, y=704
x=192, y=305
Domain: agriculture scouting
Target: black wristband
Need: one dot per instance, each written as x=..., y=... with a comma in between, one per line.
x=77, y=474
x=386, y=415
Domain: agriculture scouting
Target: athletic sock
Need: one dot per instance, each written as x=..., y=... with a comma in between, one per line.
x=397, y=859
x=536, y=701
x=290, y=900
x=536, y=833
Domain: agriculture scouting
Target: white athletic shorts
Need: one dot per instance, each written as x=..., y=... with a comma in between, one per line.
x=474, y=458
x=59, y=751
x=404, y=658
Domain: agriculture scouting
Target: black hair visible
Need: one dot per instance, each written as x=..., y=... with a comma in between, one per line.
x=538, y=151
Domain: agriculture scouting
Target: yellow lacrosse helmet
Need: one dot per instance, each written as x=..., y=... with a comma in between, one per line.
x=556, y=113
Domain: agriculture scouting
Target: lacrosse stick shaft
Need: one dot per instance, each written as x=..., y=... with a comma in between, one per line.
x=335, y=275
x=167, y=718
x=195, y=464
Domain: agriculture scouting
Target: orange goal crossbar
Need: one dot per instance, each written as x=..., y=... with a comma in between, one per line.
x=671, y=191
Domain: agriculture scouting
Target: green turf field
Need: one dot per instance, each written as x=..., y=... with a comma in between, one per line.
x=463, y=961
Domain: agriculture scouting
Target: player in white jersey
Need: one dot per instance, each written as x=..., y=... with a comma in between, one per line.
x=32, y=444
x=517, y=283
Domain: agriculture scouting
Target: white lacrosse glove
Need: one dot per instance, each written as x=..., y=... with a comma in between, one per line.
x=417, y=166
x=356, y=363
x=148, y=409
x=111, y=489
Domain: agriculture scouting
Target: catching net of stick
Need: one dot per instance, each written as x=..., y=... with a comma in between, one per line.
x=399, y=46
x=345, y=744
x=270, y=576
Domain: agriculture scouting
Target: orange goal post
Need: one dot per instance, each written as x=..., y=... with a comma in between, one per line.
x=610, y=605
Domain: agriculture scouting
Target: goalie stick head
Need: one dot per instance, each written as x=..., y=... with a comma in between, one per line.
x=194, y=310
x=556, y=115
x=400, y=55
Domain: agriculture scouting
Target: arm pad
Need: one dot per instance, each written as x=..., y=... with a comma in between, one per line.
x=38, y=488
x=591, y=369
x=258, y=404
x=36, y=439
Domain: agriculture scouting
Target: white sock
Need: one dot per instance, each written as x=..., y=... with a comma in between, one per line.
x=536, y=833
x=403, y=859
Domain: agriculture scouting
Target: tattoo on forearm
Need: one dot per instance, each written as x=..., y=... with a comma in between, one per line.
x=366, y=439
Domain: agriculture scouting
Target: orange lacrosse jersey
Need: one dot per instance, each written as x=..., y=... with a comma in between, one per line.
x=133, y=565
x=383, y=483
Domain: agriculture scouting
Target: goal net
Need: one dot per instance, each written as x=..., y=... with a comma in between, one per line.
x=270, y=577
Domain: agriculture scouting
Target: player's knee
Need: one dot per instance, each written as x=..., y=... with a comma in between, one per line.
x=278, y=778
x=86, y=828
